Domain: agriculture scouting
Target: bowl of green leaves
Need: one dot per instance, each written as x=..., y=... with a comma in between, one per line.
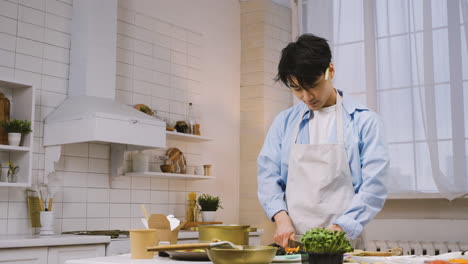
x=325, y=246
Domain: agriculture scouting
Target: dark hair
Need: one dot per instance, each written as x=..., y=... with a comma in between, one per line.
x=306, y=60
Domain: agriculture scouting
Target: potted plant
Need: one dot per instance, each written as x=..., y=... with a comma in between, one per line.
x=325, y=246
x=16, y=129
x=208, y=204
x=12, y=169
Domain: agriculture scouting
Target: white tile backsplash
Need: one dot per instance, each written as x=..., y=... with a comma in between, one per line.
x=56, y=54
x=18, y=227
x=141, y=183
x=8, y=9
x=28, y=63
x=30, y=31
x=59, y=8
x=120, y=210
x=7, y=42
x=74, y=195
x=8, y=25
x=16, y=195
x=153, y=68
x=30, y=15
x=101, y=151
x=74, y=210
x=57, y=38
x=73, y=224
x=98, y=180
x=57, y=23
x=36, y=4
x=3, y=210
x=119, y=223
x=7, y=58
x=17, y=210
x=120, y=195
x=97, y=223
x=29, y=47
x=54, y=68
x=3, y=226
x=77, y=164
x=141, y=196
x=98, y=195
x=98, y=210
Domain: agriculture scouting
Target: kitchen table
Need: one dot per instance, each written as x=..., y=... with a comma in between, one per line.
x=125, y=259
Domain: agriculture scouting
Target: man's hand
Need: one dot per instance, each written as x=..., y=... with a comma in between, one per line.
x=335, y=228
x=284, y=229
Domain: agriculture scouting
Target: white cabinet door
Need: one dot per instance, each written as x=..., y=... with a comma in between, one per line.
x=24, y=255
x=59, y=255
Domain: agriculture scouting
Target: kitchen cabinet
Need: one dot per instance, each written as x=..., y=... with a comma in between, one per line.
x=37, y=255
x=59, y=255
x=51, y=255
x=22, y=101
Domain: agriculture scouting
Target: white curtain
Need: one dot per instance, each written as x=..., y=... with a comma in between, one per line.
x=408, y=61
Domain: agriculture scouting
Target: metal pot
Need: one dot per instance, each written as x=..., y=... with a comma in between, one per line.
x=237, y=234
x=248, y=255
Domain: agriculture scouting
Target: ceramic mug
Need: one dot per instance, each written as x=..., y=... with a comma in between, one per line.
x=199, y=170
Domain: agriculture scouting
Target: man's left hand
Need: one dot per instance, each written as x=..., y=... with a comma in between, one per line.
x=335, y=228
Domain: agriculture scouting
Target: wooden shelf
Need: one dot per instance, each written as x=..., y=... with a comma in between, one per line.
x=163, y=175
x=185, y=137
x=14, y=148
x=22, y=106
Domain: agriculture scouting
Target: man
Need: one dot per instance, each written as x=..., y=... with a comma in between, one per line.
x=324, y=160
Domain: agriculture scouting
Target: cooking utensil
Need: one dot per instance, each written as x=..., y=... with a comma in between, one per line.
x=249, y=254
x=294, y=244
x=237, y=234
x=194, y=246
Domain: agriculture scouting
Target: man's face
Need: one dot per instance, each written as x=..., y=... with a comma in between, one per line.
x=316, y=96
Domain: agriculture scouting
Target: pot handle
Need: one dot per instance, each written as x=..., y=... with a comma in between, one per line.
x=252, y=229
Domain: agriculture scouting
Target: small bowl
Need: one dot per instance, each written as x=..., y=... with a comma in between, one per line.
x=167, y=168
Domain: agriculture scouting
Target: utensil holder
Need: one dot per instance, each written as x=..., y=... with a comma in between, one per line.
x=47, y=223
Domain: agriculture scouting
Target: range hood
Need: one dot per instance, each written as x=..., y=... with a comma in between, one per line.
x=90, y=113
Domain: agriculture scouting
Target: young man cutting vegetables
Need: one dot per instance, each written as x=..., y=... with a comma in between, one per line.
x=324, y=160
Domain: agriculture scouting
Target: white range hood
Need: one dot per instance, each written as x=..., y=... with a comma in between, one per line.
x=90, y=113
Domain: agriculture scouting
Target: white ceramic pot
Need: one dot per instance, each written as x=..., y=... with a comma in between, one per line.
x=140, y=162
x=14, y=139
x=208, y=216
x=199, y=171
x=47, y=223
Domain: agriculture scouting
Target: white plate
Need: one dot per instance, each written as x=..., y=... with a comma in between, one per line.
x=287, y=259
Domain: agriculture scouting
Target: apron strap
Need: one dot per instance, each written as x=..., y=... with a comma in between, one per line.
x=339, y=118
x=339, y=121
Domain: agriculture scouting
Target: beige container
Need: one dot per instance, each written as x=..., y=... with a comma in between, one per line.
x=140, y=239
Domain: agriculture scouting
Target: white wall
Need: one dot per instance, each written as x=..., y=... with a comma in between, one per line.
x=34, y=47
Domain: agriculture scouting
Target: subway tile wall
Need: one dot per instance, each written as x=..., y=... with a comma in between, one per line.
x=158, y=64
x=265, y=30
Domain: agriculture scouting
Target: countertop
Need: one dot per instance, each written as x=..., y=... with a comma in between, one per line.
x=16, y=241
x=127, y=260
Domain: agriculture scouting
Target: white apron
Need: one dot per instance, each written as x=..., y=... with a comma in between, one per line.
x=319, y=187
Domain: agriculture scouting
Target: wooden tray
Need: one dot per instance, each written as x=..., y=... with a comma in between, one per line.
x=196, y=224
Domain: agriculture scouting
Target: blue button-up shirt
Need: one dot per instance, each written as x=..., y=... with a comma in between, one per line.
x=367, y=153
